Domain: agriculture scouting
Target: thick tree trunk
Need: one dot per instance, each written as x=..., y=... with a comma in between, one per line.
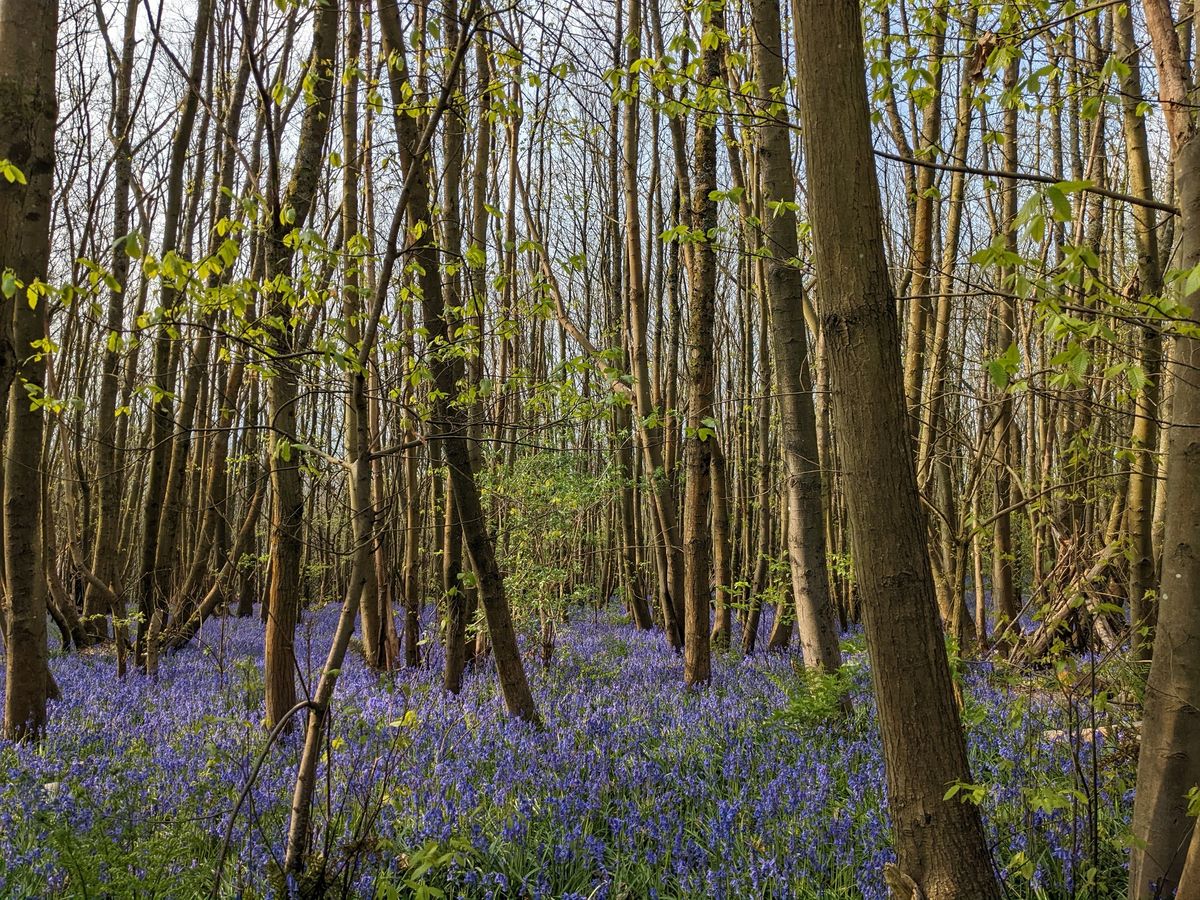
x=1169, y=760
x=939, y=842
x=28, y=111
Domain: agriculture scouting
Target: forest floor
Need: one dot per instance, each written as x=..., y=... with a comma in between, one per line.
x=635, y=788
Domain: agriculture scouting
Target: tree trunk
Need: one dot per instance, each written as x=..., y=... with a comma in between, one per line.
x=283, y=393
x=939, y=842
x=1169, y=760
x=1004, y=430
x=722, y=569
x=29, y=110
x=449, y=419
x=815, y=613
x=651, y=431
x=1148, y=284
x=151, y=595
x=701, y=433
x=454, y=589
x=108, y=474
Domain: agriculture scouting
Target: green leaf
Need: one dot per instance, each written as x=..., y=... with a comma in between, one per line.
x=475, y=256
x=1003, y=367
x=1192, y=283
x=1136, y=376
x=1060, y=204
x=11, y=173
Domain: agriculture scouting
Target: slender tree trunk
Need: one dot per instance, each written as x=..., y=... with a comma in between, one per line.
x=722, y=563
x=452, y=557
x=1004, y=430
x=412, y=564
x=283, y=389
x=1148, y=284
x=448, y=418
x=108, y=474
x=815, y=613
x=933, y=450
x=701, y=433
x=924, y=203
x=372, y=606
x=651, y=431
x=164, y=359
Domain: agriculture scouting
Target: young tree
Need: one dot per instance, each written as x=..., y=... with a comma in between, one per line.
x=449, y=419
x=789, y=335
x=288, y=214
x=1149, y=283
x=701, y=431
x=158, y=520
x=104, y=559
x=650, y=430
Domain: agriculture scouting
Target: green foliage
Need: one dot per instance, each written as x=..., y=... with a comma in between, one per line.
x=11, y=173
x=811, y=698
x=544, y=501
x=842, y=566
x=418, y=872
x=974, y=794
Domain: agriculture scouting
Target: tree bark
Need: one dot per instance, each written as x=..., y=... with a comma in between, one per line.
x=1169, y=760
x=448, y=418
x=815, y=613
x=701, y=433
x=939, y=843
x=283, y=393
x=1004, y=430
x=29, y=110
x=152, y=593
x=650, y=429
x=107, y=473
x=1148, y=284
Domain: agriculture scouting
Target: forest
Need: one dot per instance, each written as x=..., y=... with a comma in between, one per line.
x=600, y=449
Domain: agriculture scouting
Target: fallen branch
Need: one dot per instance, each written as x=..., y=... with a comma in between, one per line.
x=1038, y=643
